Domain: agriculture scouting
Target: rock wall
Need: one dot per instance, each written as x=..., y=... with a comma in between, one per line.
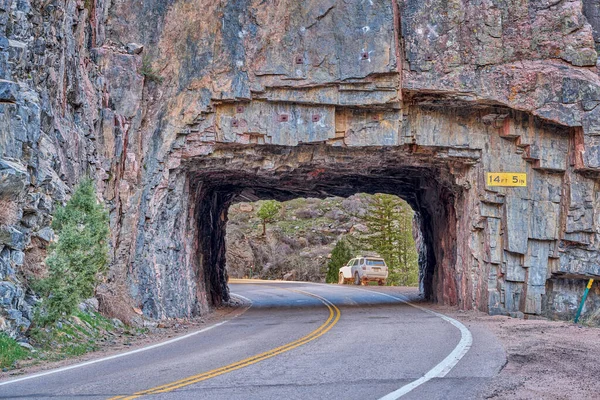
x=179, y=108
x=50, y=92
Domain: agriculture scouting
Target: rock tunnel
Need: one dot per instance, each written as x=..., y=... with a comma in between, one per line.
x=496, y=249
x=323, y=171
x=334, y=98
x=179, y=108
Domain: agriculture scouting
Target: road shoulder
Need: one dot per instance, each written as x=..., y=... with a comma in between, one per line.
x=544, y=359
x=165, y=331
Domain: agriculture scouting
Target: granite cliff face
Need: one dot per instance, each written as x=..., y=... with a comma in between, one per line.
x=180, y=108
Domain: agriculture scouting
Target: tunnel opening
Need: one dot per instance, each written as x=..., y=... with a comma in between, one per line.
x=310, y=239
x=250, y=173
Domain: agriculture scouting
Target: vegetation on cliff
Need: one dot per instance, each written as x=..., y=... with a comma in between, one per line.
x=67, y=322
x=267, y=212
x=389, y=222
x=339, y=257
x=77, y=259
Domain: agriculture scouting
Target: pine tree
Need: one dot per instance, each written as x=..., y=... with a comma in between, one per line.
x=389, y=223
x=340, y=255
x=78, y=258
x=267, y=212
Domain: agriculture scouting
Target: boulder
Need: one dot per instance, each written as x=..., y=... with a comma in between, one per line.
x=8, y=292
x=8, y=91
x=90, y=304
x=18, y=257
x=246, y=207
x=290, y=276
x=46, y=234
x=13, y=178
x=25, y=345
x=134, y=48
x=13, y=238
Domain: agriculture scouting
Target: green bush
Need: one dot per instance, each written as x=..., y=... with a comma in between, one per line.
x=78, y=258
x=10, y=351
x=148, y=72
x=340, y=255
x=267, y=213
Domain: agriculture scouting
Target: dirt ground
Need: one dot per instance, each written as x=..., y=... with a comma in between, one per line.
x=546, y=359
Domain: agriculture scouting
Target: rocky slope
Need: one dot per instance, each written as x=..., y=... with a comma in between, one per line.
x=297, y=244
x=180, y=108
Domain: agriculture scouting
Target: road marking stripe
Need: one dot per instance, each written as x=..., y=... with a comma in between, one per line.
x=83, y=364
x=444, y=366
x=128, y=353
x=334, y=316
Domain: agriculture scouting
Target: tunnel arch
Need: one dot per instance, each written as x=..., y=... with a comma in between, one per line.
x=241, y=82
x=324, y=171
x=496, y=249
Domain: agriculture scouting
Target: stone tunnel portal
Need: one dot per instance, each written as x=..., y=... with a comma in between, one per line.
x=345, y=96
x=502, y=250
x=284, y=173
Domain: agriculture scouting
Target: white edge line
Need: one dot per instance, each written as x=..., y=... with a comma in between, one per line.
x=154, y=346
x=441, y=369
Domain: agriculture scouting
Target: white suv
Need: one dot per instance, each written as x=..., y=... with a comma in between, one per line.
x=361, y=270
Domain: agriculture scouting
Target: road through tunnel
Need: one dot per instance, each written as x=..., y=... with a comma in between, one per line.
x=502, y=250
x=288, y=110
x=323, y=171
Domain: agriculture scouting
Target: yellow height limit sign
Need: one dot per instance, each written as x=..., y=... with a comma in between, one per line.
x=506, y=179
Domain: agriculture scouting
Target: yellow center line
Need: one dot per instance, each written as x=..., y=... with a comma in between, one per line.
x=334, y=316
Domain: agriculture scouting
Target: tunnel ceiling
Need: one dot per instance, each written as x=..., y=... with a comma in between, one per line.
x=318, y=171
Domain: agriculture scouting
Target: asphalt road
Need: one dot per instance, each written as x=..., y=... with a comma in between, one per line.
x=297, y=341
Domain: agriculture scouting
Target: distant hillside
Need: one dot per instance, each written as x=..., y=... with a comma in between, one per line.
x=298, y=243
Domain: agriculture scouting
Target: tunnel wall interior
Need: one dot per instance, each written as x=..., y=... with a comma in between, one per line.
x=331, y=172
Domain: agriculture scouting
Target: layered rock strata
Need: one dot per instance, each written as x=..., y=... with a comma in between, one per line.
x=179, y=108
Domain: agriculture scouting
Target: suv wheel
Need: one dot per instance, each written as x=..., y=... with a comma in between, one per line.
x=356, y=279
x=341, y=279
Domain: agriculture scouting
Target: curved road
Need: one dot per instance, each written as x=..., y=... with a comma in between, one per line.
x=297, y=341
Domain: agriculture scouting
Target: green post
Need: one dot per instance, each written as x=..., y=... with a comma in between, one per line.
x=251, y=271
x=585, y=294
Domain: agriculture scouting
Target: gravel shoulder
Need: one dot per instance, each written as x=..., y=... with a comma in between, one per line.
x=546, y=359
x=165, y=330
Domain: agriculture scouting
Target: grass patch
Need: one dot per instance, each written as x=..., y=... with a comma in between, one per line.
x=318, y=224
x=73, y=337
x=148, y=72
x=68, y=337
x=10, y=351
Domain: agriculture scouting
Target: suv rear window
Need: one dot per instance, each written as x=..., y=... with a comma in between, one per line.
x=378, y=263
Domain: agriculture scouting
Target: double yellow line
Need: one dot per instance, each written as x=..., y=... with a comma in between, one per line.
x=334, y=316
